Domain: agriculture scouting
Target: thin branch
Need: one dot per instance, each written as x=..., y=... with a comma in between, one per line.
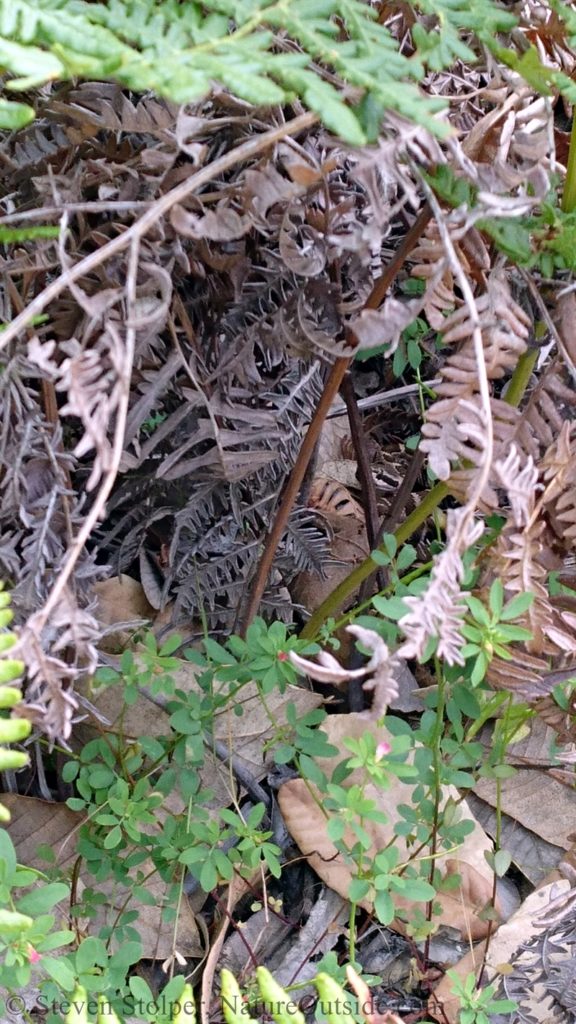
x=331, y=389
x=125, y=376
x=140, y=228
x=363, y=461
x=384, y=397
x=44, y=212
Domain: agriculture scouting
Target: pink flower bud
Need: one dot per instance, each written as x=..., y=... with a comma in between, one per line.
x=382, y=749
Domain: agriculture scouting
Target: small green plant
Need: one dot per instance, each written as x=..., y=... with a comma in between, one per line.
x=175, y=1005
x=121, y=784
x=488, y=630
x=478, y=1006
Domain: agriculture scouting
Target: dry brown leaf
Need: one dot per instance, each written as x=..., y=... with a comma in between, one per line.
x=384, y=326
x=307, y=824
x=38, y=822
x=329, y=495
x=533, y=798
x=121, y=599
x=504, y=945
x=533, y=856
x=350, y=546
x=331, y=460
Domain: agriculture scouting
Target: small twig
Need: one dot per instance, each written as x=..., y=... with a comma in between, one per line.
x=331, y=389
x=291, y=491
x=402, y=497
x=394, y=513
x=43, y=212
x=150, y=217
x=385, y=397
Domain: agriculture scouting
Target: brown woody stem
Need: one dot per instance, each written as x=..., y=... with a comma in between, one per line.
x=313, y=433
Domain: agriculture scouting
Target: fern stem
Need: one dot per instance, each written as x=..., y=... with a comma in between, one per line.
x=331, y=389
x=430, y=501
x=336, y=598
x=569, y=194
x=520, y=377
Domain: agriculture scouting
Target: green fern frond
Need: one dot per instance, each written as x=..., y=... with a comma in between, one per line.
x=265, y=51
x=443, y=45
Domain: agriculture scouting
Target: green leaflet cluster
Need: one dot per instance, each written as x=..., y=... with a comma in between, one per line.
x=545, y=239
x=265, y=52
x=12, y=730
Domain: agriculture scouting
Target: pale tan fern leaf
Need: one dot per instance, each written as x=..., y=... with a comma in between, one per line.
x=550, y=404
x=524, y=572
x=559, y=474
x=522, y=674
x=440, y=610
x=428, y=256
x=453, y=427
x=459, y=438
x=525, y=543
x=520, y=478
x=520, y=546
x=505, y=330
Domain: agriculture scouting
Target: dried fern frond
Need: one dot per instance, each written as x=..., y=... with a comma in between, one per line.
x=521, y=552
x=55, y=657
x=428, y=256
x=439, y=611
x=453, y=431
x=559, y=476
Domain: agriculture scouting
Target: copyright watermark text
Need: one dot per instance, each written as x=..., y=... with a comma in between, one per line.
x=128, y=1006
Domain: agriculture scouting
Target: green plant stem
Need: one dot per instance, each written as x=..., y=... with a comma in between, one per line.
x=430, y=501
x=330, y=606
x=437, y=788
x=569, y=194
x=358, y=609
x=520, y=377
x=352, y=933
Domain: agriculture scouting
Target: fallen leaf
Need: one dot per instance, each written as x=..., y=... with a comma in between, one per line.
x=540, y=803
x=533, y=856
x=121, y=602
x=504, y=946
